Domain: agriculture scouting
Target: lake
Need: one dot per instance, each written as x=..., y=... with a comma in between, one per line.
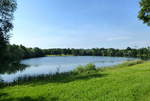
x=53, y=64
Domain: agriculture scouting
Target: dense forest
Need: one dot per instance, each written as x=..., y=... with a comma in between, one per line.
x=17, y=52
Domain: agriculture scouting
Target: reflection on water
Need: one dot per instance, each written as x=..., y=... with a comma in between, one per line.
x=53, y=64
x=12, y=68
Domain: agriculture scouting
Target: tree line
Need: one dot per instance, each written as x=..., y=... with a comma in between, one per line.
x=16, y=53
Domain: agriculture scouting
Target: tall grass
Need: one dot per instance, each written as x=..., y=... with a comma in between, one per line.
x=130, y=63
x=87, y=68
x=57, y=77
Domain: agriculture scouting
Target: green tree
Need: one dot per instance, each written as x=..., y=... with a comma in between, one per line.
x=7, y=8
x=144, y=13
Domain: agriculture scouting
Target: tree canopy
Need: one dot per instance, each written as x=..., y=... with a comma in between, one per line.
x=144, y=13
x=7, y=8
x=19, y=52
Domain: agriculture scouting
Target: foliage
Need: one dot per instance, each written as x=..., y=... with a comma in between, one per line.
x=87, y=68
x=144, y=13
x=15, y=53
x=128, y=52
x=126, y=64
x=11, y=68
x=135, y=62
x=7, y=8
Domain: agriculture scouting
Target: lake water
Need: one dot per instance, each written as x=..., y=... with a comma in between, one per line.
x=53, y=64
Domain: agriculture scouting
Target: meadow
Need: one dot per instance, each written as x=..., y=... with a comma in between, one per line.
x=129, y=81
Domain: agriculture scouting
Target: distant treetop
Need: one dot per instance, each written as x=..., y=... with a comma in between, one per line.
x=144, y=13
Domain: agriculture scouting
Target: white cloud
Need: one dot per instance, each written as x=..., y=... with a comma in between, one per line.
x=118, y=38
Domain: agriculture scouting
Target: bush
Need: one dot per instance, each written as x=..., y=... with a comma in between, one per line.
x=88, y=67
x=131, y=63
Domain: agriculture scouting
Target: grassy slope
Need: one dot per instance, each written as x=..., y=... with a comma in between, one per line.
x=123, y=83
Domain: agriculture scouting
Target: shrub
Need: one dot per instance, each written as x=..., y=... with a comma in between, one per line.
x=131, y=63
x=88, y=67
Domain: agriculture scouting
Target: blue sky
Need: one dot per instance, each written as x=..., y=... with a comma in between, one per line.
x=79, y=24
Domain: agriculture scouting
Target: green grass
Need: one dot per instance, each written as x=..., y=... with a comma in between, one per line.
x=129, y=81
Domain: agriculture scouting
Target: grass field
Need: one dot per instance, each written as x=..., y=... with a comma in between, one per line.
x=126, y=82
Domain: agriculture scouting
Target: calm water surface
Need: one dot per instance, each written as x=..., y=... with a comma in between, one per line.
x=53, y=64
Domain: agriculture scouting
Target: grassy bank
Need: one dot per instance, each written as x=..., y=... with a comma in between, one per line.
x=126, y=82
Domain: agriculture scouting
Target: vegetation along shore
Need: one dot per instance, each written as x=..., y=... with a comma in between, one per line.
x=129, y=81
